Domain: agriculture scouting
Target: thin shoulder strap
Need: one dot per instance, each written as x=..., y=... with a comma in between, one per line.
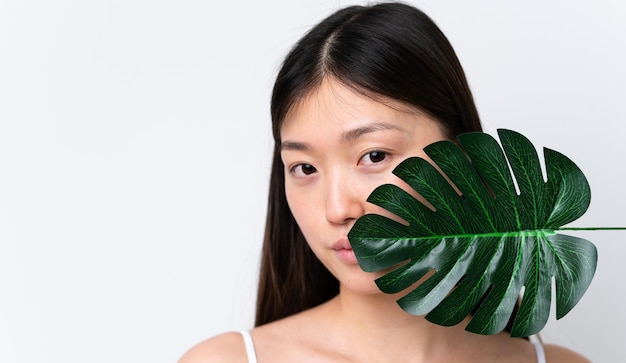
x=247, y=340
x=538, y=345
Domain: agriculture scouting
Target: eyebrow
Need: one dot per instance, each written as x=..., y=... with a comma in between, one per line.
x=354, y=134
x=294, y=146
x=349, y=136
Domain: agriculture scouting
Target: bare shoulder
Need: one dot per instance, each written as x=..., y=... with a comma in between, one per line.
x=558, y=354
x=227, y=347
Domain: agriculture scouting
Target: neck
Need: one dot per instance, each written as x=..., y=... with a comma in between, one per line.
x=377, y=324
x=376, y=311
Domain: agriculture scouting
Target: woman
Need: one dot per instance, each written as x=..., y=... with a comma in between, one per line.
x=360, y=92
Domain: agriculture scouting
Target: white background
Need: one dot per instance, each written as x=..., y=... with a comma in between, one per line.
x=135, y=149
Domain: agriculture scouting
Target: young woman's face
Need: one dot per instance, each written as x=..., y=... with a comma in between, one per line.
x=337, y=147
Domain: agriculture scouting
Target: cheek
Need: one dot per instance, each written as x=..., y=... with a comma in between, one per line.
x=301, y=208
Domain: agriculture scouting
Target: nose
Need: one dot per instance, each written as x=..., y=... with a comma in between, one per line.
x=344, y=202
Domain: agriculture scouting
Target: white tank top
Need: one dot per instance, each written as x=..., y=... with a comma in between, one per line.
x=247, y=340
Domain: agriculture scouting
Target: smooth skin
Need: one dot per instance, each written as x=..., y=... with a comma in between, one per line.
x=338, y=145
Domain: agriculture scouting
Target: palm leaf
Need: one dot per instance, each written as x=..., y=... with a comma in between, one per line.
x=478, y=250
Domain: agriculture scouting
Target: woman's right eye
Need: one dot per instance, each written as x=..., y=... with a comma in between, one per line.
x=302, y=170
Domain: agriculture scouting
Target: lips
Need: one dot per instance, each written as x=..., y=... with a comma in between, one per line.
x=344, y=252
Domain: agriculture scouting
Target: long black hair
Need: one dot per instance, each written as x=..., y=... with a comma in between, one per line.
x=388, y=50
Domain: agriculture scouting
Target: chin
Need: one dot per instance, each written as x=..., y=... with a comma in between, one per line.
x=362, y=283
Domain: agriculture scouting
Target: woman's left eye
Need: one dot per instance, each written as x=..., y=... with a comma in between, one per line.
x=373, y=157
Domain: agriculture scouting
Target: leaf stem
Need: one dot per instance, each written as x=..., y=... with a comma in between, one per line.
x=592, y=229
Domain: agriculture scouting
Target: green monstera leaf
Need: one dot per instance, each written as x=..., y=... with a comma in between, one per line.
x=476, y=248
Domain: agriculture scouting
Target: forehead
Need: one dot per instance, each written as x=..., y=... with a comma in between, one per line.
x=334, y=104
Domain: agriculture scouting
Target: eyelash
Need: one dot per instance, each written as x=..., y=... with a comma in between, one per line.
x=303, y=170
x=375, y=153
x=299, y=169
